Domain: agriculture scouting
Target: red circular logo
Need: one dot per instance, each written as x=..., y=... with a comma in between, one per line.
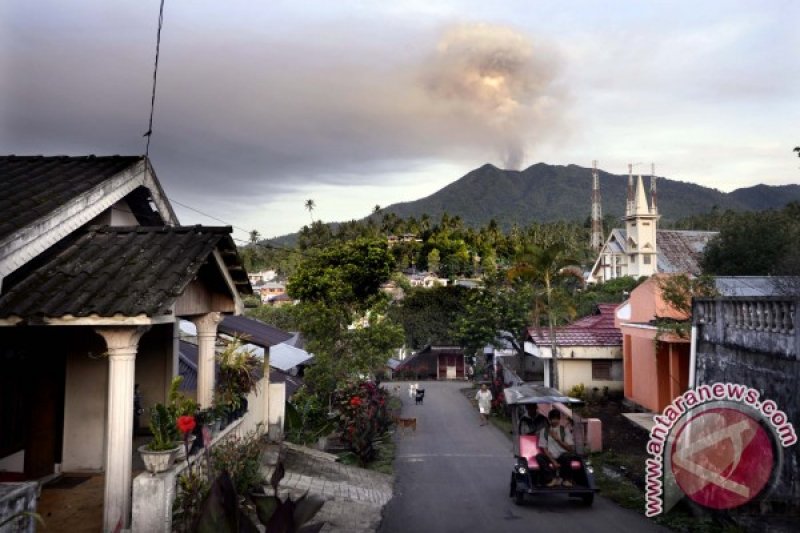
x=722, y=458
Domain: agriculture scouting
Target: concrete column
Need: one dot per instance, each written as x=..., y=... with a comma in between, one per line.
x=206, y=355
x=122, y=343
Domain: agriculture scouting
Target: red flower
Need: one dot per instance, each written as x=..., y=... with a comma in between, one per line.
x=186, y=424
x=355, y=401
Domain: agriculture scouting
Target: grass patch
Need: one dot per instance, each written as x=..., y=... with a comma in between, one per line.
x=619, y=489
x=503, y=424
x=614, y=485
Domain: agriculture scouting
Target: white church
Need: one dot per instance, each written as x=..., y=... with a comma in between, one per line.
x=641, y=249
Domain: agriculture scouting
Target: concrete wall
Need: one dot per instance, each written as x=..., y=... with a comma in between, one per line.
x=86, y=392
x=644, y=378
x=85, y=401
x=579, y=371
x=777, y=378
x=154, y=367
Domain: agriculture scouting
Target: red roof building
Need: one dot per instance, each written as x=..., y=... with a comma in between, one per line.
x=589, y=352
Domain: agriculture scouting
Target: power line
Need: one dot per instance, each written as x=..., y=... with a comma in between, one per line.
x=155, y=78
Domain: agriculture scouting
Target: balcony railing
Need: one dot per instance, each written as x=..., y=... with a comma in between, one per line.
x=767, y=324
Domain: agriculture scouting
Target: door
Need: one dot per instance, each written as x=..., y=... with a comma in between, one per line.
x=46, y=416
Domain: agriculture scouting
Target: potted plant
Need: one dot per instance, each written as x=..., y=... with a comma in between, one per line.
x=239, y=372
x=159, y=453
x=180, y=405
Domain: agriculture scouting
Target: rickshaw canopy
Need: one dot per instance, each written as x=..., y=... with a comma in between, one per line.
x=532, y=394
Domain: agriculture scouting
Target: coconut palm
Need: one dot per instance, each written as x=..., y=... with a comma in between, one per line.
x=310, y=205
x=546, y=268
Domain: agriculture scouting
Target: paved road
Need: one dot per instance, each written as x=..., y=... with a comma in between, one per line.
x=453, y=476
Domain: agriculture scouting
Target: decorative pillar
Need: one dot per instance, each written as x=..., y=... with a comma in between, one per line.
x=206, y=355
x=122, y=343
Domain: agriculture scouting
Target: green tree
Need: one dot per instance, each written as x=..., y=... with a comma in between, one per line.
x=430, y=315
x=754, y=244
x=434, y=259
x=502, y=309
x=547, y=269
x=310, y=205
x=342, y=311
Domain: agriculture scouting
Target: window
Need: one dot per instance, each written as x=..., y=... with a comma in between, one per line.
x=647, y=259
x=601, y=370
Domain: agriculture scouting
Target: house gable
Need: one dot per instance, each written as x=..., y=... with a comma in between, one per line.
x=113, y=274
x=45, y=199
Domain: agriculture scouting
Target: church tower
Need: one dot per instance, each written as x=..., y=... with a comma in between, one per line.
x=640, y=229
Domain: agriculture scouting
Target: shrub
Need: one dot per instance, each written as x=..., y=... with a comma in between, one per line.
x=363, y=417
x=578, y=391
x=240, y=457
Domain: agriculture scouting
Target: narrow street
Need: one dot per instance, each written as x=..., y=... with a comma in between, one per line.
x=453, y=476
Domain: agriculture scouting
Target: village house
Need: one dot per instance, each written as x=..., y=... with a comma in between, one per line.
x=392, y=240
x=589, y=352
x=438, y=362
x=641, y=249
x=655, y=362
x=269, y=290
x=95, y=274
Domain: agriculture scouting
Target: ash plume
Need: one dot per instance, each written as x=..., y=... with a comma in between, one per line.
x=496, y=78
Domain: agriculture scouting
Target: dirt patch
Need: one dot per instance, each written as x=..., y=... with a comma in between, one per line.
x=623, y=440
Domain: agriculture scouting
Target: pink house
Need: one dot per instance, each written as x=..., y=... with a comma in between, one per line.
x=656, y=367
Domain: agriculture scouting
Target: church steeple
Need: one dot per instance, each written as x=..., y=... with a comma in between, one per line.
x=640, y=230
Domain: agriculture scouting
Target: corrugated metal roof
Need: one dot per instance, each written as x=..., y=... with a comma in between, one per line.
x=253, y=331
x=593, y=330
x=285, y=357
x=128, y=271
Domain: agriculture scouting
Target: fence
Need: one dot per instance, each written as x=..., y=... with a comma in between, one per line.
x=767, y=324
x=16, y=498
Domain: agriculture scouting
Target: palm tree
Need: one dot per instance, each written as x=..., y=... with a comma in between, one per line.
x=546, y=268
x=254, y=236
x=310, y=205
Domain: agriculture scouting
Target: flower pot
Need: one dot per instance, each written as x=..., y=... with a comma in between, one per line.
x=157, y=461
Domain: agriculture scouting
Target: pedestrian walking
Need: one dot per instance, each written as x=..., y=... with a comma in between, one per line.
x=484, y=397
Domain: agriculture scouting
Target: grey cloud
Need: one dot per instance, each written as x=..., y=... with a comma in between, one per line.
x=254, y=116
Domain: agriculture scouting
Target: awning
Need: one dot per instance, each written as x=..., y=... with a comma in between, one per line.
x=529, y=393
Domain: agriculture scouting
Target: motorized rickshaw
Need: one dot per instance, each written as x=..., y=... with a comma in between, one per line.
x=529, y=406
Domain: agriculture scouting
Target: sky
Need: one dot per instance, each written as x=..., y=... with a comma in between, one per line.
x=263, y=105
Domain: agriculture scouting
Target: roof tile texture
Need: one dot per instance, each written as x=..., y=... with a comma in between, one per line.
x=34, y=186
x=109, y=271
x=594, y=330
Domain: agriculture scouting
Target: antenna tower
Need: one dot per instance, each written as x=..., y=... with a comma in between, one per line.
x=597, y=212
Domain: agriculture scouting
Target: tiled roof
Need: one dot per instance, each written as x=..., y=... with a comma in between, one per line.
x=34, y=186
x=594, y=330
x=129, y=271
x=253, y=331
x=681, y=251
